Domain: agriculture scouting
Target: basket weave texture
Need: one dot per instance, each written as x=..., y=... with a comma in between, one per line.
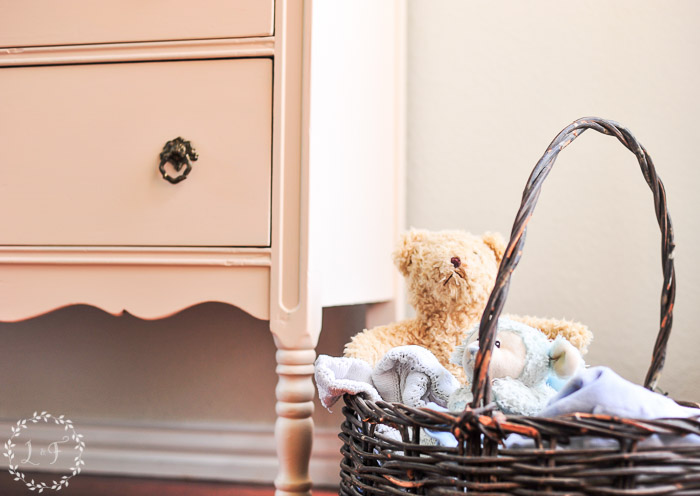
x=374, y=464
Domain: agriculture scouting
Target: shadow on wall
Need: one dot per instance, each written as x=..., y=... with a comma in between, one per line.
x=209, y=363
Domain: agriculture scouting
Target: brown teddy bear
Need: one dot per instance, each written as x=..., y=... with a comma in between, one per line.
x=449, y=275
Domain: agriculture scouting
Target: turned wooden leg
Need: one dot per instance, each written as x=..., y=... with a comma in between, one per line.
x=294, y=427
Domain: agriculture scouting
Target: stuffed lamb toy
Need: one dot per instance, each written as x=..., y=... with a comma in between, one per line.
x=523, y=365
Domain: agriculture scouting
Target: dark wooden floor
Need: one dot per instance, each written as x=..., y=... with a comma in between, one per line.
x=92, y=485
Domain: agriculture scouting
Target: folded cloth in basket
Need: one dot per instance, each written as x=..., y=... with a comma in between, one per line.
x=336, y=376
x=412, y=375
x=406, y=374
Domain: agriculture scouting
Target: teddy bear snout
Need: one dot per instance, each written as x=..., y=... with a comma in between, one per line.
x=473, y=348
x=457, y=275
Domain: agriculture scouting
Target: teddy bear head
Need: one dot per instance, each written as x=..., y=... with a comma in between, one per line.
x=449, y=273
x=521, y=352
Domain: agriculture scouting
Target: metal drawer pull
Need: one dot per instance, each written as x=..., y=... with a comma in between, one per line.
x=179, y=153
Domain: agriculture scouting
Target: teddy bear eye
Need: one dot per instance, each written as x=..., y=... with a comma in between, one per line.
x=456, y=261
x=498, y=344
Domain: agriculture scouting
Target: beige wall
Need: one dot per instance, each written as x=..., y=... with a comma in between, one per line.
x=491, y=83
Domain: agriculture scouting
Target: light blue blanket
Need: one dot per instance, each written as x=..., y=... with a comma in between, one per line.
x=599, y=390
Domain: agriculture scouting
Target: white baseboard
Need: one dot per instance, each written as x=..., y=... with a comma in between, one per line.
x=232, y=452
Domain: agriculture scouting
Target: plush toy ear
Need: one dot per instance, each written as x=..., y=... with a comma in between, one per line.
x=496, y=242
x=406, y=248
x=565, y=359
x=458, y=353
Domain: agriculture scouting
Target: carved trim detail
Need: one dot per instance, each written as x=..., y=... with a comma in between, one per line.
x=216, y=257
x=138, y=52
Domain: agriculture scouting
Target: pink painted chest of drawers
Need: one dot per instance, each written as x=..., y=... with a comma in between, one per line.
x=295, y=112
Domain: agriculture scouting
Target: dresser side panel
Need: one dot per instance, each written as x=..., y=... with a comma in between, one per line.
x=356, y=163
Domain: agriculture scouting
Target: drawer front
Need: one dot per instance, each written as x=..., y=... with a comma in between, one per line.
x=80, y=147
x=67, y=22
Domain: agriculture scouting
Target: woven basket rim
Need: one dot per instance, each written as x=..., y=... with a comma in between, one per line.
x=502, y=425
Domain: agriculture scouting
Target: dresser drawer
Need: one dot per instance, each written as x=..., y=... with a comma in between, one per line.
x=67, y=22
x=80, y=153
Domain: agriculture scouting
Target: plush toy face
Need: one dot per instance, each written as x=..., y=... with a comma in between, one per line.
x=507, y=359
x=448, y=271
x=521, y=352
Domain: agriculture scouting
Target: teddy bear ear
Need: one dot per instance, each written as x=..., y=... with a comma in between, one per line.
x=496, y=242
x=406, y=248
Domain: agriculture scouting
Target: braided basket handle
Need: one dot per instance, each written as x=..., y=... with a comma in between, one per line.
x=481, y=387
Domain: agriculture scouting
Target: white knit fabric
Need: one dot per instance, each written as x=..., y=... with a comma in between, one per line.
x=407, y=374
x=336, y=376
x=413, y=376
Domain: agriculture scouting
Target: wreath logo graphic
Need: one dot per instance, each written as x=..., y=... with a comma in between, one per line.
x=79, y=447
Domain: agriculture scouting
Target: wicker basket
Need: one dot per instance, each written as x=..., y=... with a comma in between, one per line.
x=373, y=464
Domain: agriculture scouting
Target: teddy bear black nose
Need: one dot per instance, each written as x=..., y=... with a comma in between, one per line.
x=456, y=261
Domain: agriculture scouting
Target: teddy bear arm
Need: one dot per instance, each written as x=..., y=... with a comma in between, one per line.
x=576, y=333
x=371, y=345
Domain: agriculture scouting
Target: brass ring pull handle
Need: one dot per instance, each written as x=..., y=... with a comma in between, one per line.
x=179, y=153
